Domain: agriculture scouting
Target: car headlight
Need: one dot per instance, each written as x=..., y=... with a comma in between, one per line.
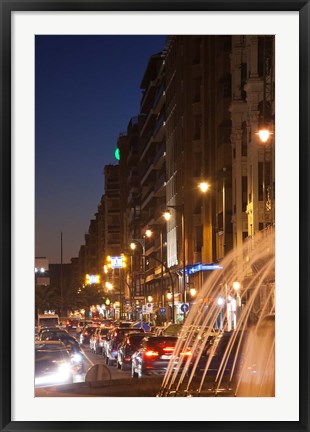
x=77, y=358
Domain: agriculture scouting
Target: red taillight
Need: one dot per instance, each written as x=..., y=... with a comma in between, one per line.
x=186, y=353
x=151, y=353
x=168, y=349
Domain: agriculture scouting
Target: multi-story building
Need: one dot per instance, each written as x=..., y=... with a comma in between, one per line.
x=153, y=180
x=252, y=108
x=198, y=149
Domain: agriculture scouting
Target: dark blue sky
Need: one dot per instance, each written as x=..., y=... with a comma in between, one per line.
x=87, y=89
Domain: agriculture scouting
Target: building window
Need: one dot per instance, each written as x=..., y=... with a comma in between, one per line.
x=196, y=90
x=244, y=144
x=197, y=127
x=244, y=77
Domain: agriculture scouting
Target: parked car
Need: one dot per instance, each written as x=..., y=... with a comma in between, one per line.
x=97, y=339
x=153, y=356
x=115, y=338
x=53, y=364
x=86, y=334
x=126, y=348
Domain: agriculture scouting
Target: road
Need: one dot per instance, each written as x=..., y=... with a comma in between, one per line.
x=92, y=359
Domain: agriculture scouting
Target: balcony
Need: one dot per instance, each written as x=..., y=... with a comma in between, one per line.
x=159, y=127
x=159, y=99
x=159, y=157
x=148, y=94
x=133, y=178
x=146, y=172
x=160, y=186
x=147, y=199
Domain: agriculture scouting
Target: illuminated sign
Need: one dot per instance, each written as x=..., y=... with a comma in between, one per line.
x=203, y=267
x=92, y=279
x=116, y=262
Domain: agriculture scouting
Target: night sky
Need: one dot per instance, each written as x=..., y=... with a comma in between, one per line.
x=86, y=90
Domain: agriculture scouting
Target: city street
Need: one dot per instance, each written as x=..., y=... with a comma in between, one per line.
x=93, y=359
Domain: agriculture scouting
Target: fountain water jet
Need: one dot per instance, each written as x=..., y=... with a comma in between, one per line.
x=239, y=358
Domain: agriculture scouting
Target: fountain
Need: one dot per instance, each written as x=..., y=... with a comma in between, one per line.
x=230, y=330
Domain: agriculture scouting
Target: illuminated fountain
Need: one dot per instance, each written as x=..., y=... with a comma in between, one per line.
x=230, y=330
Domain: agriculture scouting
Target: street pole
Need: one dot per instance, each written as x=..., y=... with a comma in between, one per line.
x=184, y=265
x=224, y=213
x=162, y=269
x=61, y=278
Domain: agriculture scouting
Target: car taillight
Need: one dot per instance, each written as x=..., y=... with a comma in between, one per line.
x=168, y=349
x=188, y=352
x=151, y=353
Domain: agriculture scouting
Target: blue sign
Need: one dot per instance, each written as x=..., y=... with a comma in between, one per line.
x=162, y=311
x=184, y=307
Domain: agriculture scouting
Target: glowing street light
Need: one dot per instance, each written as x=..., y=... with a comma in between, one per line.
x=204, y=186
x=263, y=135
x=109, y=286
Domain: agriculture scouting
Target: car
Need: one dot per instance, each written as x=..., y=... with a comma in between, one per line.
x=53, y=365
x=71, y=324
x=82, y=324
x=221, y=345
x=97, y=338
x=78, y=359
x=109, y=323
x=49, y=333
x=126, y=348
x=153, y=356
x=86, y=334
x=71, y=344
x=123, y=324
x=172, y=330
x=115, y=338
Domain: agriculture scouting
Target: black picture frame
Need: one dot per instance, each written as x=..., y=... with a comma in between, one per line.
x=9, y=6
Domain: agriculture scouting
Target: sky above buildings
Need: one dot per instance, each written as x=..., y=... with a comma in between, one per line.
x=86, y=90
